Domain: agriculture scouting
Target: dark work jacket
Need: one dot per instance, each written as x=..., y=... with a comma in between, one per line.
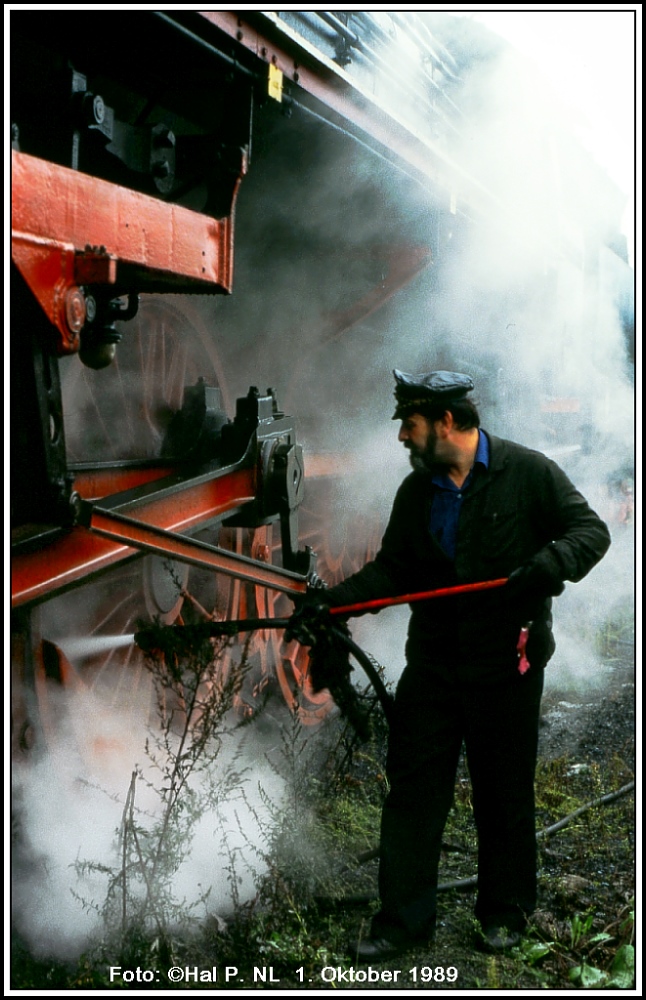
x=522, y=508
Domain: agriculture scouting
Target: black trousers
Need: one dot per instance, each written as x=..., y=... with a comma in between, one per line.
x=435, y=713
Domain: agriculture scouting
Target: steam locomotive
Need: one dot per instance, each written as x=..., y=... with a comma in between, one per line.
x=200, y=201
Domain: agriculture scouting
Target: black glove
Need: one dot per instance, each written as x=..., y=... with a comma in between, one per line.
x=310, y=619
x=529, y=586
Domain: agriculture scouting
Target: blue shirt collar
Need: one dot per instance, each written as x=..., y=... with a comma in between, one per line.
x=482, y=451
x=481, y=458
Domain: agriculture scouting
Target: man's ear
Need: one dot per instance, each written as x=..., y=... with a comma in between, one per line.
x=445, y=424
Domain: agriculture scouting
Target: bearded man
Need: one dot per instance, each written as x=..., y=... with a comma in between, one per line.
x=475, y=508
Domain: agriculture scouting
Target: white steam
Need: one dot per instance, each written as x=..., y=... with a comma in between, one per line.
x=69, y=808
x=535, y=302
x=94, y=645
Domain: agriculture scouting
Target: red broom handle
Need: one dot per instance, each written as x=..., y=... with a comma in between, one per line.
x=427, y=595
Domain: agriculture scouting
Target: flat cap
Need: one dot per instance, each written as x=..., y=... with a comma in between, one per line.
x=413, y=391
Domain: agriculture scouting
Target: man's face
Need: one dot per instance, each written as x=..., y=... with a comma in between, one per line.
x=418, y=435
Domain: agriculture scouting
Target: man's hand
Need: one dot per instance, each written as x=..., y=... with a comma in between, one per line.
x=530, y=585
x=309, y=619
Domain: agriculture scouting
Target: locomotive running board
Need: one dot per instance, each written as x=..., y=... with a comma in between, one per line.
x=137, y=534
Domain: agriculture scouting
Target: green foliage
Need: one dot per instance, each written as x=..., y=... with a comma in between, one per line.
x=622, y=970
x=621, y=975
x=533, y=951
x=554, y=792
x=604, y=959
x=350, y=824
x=493, y=973
x=580, y=927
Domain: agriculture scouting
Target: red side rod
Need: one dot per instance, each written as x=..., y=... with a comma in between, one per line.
x=386, y=602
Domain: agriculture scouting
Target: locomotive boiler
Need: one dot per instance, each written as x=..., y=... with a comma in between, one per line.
x=223, y=224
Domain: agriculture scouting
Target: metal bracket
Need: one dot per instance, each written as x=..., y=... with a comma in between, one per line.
x=260, y=434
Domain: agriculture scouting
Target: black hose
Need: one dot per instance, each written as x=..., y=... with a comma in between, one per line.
x=386, y=700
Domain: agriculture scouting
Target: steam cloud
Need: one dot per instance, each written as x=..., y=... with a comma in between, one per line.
x=532, y=295
x=69, y=809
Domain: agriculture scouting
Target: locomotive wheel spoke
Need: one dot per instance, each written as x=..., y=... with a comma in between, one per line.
x=338, y=555
x=290, y=660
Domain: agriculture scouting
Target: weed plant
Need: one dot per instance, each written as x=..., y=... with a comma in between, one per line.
x=181, y=783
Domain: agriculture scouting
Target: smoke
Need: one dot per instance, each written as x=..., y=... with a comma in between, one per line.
x=69, y=809
x=531, y=301
x=86, y=646
x=528, y=290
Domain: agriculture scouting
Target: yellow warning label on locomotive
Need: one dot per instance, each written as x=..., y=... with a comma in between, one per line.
x=275, y=85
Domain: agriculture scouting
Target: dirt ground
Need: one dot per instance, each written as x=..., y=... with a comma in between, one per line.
x=595, y=726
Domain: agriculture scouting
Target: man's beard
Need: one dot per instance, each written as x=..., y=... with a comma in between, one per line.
x=423, y=459
x=417, y=460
